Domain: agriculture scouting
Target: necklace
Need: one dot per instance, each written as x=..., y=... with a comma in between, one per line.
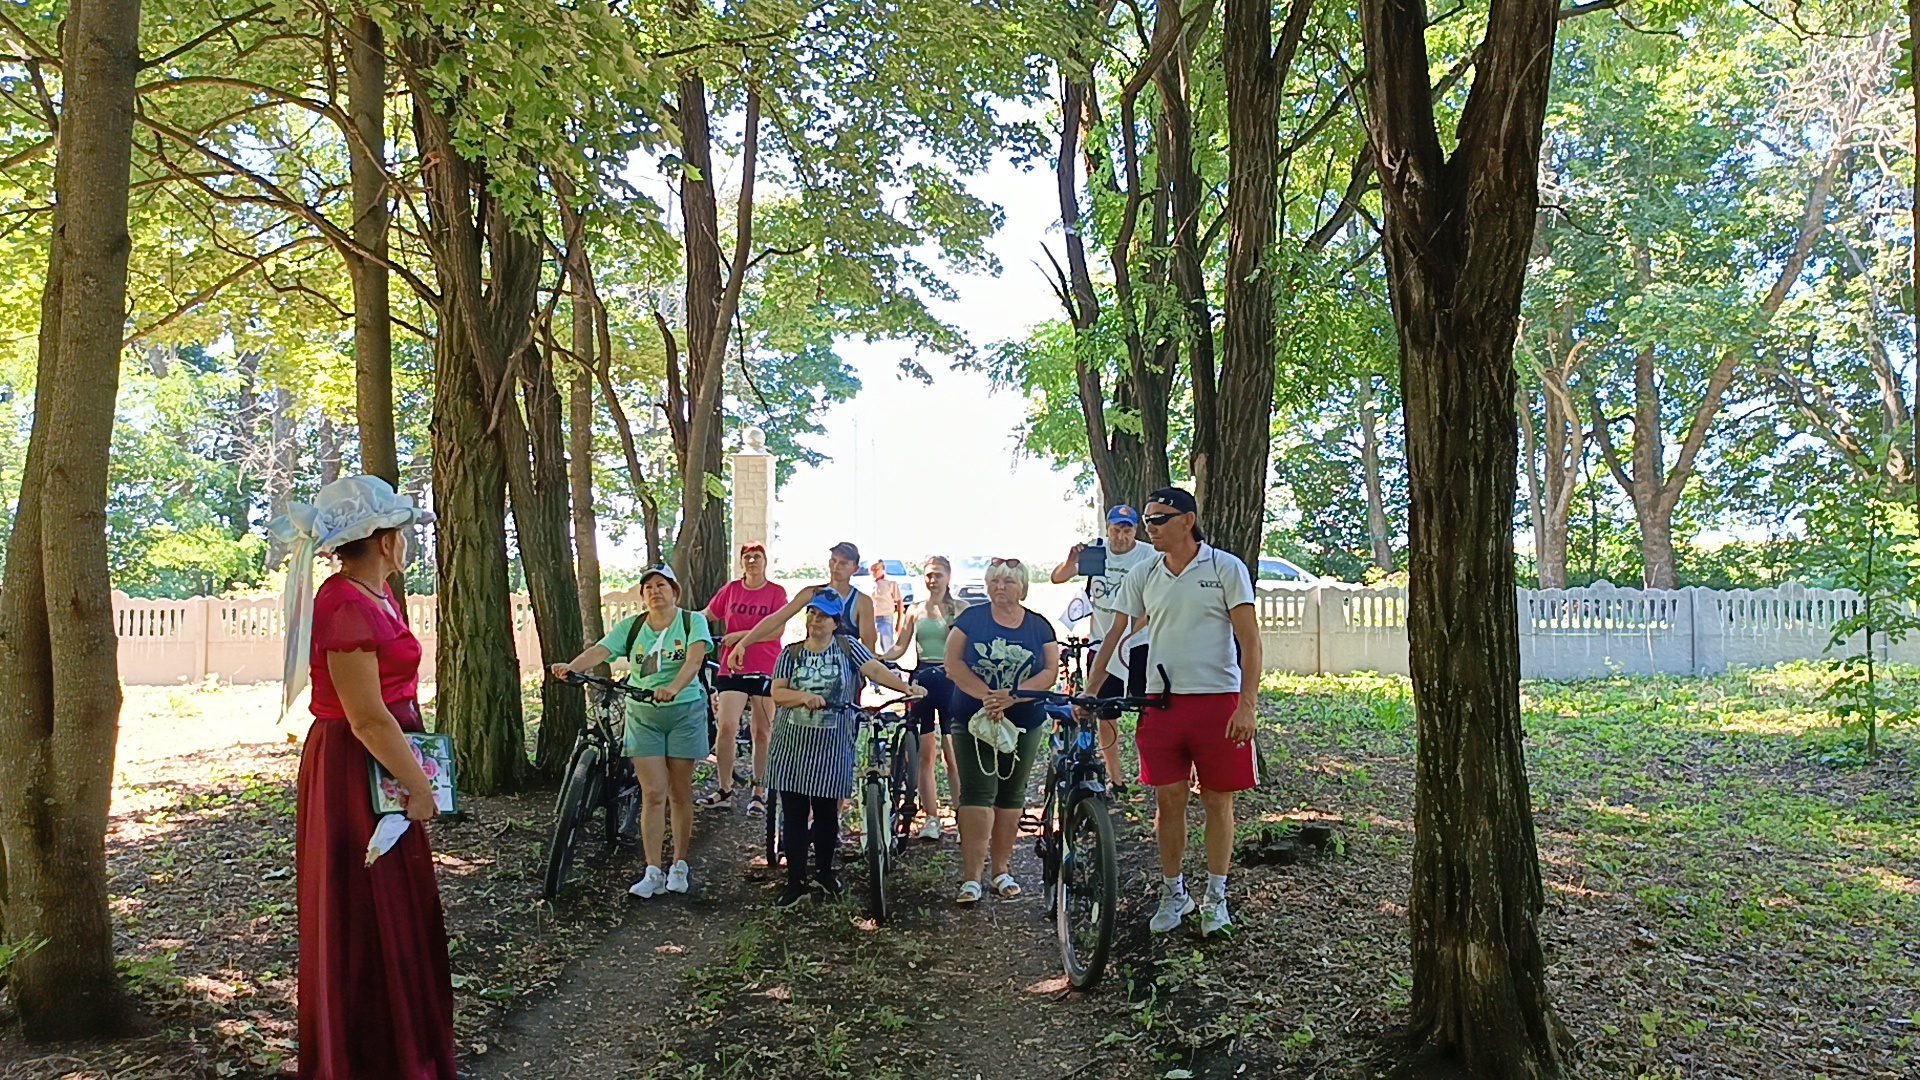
x=378, y=594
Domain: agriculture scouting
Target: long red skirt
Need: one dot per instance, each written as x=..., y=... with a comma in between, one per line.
x=376, y=996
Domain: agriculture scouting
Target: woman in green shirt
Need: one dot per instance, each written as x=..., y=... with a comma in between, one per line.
x=926, y=629
x=666, y=736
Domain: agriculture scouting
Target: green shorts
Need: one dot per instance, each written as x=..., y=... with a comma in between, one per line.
x=990, y=778
x=675, y=731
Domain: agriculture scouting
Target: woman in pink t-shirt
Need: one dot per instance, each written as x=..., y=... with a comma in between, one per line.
x=736, y=609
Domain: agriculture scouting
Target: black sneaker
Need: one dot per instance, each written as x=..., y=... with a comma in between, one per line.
x=829, y=883
x=791, y=894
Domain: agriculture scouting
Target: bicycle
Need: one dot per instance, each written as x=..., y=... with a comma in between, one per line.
x=599, y=776
x=1074, y=653
x=885, y=792
x=1079, y=862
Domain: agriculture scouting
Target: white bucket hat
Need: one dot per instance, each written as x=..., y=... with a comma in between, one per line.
x=349, y=509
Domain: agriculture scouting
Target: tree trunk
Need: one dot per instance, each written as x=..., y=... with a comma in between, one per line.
x=372, y=318
x=1186, y=262
x=1456, y=242
x=1658, y=568
x=244, y=436
x=484, y=317
x=542, y=523
x=1379, y=532
x=328, y=450
x=59, y=674
x=586, y=524
x=283, y=459
x=1076, y=290
x=1234, y=482
x=1530, y=465
x=476, y=669
x=700, y=549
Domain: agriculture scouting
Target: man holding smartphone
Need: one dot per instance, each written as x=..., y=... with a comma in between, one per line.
x=1200, y=602
x=1126, y=672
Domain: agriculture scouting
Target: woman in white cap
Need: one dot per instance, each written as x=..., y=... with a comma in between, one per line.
x=376, y=994
x=665, y=736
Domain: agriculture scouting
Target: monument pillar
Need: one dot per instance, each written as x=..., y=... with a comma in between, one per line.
x=752, y=490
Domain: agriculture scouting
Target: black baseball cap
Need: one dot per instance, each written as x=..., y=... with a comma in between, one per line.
x=1180, y=499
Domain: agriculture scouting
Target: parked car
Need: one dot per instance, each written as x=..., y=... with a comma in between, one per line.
x=897, y=570
x=970, y=578
x=1273, y=568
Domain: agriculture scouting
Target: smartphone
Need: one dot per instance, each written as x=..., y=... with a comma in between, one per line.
x=1093, y=560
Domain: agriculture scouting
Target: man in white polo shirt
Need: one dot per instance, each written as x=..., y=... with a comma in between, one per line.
x=1199, y=602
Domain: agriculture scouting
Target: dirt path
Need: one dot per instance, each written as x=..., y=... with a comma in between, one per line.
x=721, y=977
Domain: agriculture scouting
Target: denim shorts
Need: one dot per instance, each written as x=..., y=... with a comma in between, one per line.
x=937, y=706
x=675, y=731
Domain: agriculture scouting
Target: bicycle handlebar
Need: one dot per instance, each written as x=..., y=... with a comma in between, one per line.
x=1106, y=706
x=587, y=678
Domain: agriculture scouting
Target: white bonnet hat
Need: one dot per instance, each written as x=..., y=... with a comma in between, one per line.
x=349, y=509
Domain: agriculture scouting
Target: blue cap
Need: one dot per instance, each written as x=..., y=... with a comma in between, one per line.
x=1123, y=515
x=826, y=603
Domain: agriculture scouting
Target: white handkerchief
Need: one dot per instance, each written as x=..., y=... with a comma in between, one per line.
x=386, y=834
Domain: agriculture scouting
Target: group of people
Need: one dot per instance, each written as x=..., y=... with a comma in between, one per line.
x=1173, y=605
x=372, y=941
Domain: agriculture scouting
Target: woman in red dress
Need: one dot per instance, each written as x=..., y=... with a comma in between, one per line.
x=376, y=995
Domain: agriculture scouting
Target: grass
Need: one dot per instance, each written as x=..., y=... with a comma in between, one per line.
x=1718, y=844
x=1730, y=887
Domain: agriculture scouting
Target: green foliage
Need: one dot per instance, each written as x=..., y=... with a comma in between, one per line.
x=1870, y=542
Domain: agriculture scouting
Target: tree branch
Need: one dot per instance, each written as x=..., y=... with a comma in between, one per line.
x=216, y=31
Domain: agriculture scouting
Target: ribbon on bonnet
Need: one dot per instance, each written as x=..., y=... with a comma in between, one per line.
x=349, y=509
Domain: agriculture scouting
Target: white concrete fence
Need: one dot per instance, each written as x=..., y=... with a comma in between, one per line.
x=1564, y=633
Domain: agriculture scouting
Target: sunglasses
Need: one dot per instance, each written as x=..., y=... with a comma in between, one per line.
x=1005, y=562
x=1159, y=519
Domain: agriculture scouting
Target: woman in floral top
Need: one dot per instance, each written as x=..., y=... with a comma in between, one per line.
x=992, y=650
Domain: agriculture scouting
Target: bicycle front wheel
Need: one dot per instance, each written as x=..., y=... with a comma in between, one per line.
x=1087, y=891
x=570, y=812
x=879, y=846
x=905, y=784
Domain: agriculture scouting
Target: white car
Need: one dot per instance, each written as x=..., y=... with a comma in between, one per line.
x=970, y=578
x=1286, y=572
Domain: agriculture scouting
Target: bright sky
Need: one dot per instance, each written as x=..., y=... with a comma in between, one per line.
x=924, y=470
x=919, y=470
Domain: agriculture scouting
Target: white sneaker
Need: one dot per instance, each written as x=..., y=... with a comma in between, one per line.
x=652, y=883
x=1174, y=907
x=931, y=830
x=677, y=877
x=1213, y=916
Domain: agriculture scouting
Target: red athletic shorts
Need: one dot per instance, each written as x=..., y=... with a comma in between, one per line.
x=1191, y=736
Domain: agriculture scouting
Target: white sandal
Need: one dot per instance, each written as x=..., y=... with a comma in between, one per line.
x=1005, y=887
x=969, y=893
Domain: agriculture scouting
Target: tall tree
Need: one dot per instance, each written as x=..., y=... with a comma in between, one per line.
x=693, y=402
x=1458, y=231
x=1232, y=477
x=59, y=673
x=367, y=259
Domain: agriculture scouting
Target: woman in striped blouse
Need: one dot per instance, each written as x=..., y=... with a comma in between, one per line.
x=810, y=762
